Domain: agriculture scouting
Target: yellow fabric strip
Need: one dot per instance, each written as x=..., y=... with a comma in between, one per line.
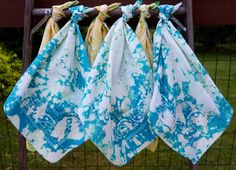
x=98, y=30
x=52, y=27
x=144, y=37
x=50, y=30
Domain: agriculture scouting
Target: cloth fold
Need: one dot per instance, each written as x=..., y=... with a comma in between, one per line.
x=187, y=110
x=43, y=103
x=98, y=30
x=144, y=36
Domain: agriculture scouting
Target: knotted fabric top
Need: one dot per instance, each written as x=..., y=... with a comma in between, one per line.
x=144, y=9
x=79, y=12
x=167, y=10
x=57, y=10
x=98, y=30
x=103, y=9
x=52, y=27
x=128, y=10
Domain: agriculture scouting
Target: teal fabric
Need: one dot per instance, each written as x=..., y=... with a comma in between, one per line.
x=119, y=88
x=43, y=103
x=187, y=111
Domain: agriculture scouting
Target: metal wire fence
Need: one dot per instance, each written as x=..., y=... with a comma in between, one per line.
x=220, y=62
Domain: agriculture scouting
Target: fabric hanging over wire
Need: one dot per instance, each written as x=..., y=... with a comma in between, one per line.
x=144, y=36
x=188, y=122
x=43, y=103
x=50, y=30
x=119, y=89
x=98, y=30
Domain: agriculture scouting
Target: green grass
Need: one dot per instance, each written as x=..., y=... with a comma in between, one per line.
x=222, y=155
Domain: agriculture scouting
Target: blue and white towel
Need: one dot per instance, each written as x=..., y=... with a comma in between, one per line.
x=187, y=111
x=117, y=97
x=43, y=103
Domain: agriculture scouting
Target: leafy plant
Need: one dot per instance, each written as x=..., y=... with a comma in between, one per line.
x=10, y=71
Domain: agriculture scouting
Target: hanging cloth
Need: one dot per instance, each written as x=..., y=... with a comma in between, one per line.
x=50, y=30
x=97, y=30
x=42, y=105
x=52, y=27
x=119, y=88
x=142, y=30
x=187, y=111
x=144, y=36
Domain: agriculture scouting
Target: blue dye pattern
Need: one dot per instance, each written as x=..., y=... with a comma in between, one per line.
x=118, y=92
x=187, y=111
x=43, y=103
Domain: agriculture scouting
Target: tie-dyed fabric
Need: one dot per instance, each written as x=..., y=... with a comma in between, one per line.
x=98, y=30
x=43, y=103
x=144, y=36
x=50, y=30
x=187, y=111
x=119, y=88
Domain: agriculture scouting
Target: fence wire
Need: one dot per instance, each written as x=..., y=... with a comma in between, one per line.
x=218, y=55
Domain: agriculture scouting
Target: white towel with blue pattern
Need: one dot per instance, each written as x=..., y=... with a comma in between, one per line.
x=43, y=103
x=187, y=111
x=117, y=97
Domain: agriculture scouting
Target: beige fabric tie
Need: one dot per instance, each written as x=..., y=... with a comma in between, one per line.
x=144, y=37
x=52, y=27
x=50, y=30
x=98, y=30
x=143, y=32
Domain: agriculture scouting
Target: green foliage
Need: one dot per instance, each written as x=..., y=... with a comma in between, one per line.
x=11, y=40
x=10, y=71
x=210, y=36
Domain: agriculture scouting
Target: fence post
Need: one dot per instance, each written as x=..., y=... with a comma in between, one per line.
x=26, y=56
x=189, y=22
x=190, y=38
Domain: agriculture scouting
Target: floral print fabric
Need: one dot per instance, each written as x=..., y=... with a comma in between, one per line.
x=43, y=103
x=187, y=111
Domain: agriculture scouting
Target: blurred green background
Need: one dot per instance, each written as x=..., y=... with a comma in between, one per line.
x=216, y=48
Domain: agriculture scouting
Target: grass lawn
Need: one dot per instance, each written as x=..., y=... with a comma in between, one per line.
x=221, y=65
